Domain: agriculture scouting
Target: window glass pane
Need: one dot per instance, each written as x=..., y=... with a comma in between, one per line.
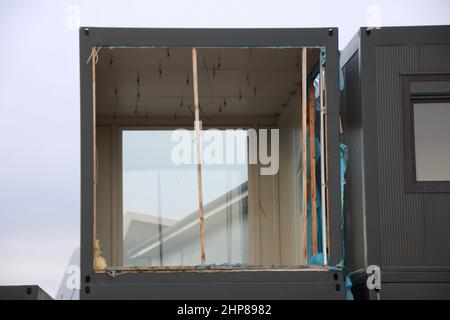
x=432, y=141
x=160, y=201
x=225, y=194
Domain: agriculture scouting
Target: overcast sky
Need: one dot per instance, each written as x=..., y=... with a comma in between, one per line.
x=39, y=101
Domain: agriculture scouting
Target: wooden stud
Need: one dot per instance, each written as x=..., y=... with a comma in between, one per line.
x=326, y=154
x=94, y=157
x=312, y=164
x=304, y=155
x=198, y=149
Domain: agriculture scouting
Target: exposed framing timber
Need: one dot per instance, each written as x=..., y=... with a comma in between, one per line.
x=93, y=58
x=304, y=158
x=199, y=157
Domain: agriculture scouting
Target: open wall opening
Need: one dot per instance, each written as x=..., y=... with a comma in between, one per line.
x=262, y=198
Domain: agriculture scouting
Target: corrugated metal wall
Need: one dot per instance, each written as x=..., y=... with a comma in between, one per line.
x=414, y=227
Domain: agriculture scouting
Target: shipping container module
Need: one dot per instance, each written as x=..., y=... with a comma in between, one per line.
x=210, y=163
x=396, y=123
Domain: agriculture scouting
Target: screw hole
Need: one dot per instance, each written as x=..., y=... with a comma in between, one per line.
x=335, y=277
x=87, y=289
x=29, y=290
x=330, y=32
x=368, y=32
x=86, y=31
x=88, y=279
x=338, y=287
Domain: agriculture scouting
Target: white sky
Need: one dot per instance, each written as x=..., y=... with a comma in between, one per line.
x=39, y=102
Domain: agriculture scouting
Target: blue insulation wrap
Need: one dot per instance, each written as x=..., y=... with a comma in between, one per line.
x=323, y=58
x=348, y=288
x=317, y=92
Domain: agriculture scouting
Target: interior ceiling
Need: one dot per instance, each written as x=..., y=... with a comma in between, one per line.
x=157, y=82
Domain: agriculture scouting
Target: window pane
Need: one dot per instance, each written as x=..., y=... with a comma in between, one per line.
x=225, y=194
x=160, y=203
x=432, y=141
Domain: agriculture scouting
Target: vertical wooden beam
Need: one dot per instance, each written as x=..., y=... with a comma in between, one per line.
x=326, y=153
x=312, y=164
x=93, y=59
x=199, y=157
x=304, y=155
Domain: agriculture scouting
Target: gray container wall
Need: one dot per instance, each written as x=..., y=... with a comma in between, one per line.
x=406, y=234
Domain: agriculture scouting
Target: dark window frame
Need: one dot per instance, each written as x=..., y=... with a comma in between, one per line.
x=409, y=99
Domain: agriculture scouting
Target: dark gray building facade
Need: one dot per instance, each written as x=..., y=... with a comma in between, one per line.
x=395, y=112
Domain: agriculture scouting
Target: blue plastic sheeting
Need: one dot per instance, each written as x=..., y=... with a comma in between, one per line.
x=348, y=288
x=317, y=92
x=323, y=58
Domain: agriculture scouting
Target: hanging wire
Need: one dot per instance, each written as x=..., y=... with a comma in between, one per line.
x=209, y=83
x=181, y=106
x=160, y=71
x=94, y=55
x=138, y=92
x=116, y=97
x=219, y=62
x=190, y=109
x=110, y=63
x=224, y=105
